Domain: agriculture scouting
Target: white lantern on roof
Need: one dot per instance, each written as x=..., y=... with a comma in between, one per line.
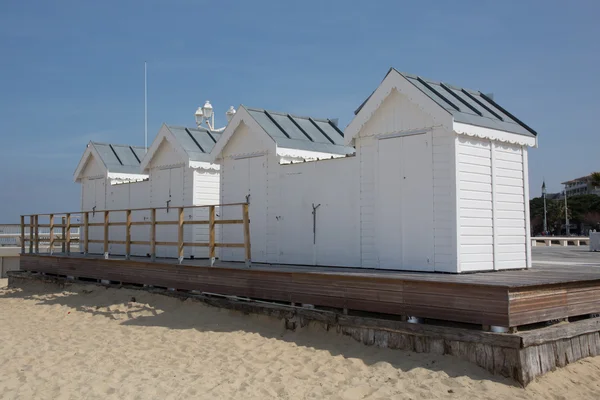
x=207, y=109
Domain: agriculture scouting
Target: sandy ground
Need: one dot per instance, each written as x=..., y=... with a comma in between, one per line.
x=89, y=342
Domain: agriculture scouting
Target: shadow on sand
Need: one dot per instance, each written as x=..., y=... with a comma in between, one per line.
x=142, y=308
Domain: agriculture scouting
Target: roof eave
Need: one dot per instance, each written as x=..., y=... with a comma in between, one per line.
x=494, y=134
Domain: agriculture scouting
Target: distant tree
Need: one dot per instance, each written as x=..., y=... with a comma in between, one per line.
x=595, y=179
x=592, y=218
x=537, y=224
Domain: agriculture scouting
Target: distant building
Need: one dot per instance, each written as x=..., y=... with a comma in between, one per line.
x=580, y=186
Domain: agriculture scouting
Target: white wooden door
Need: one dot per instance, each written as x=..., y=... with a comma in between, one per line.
x=245, y=179
x=234, y=190
x=94, y=201
x=168, y=192
x=257, y=189
x=389, y=197
x=417, y=203
x=295, y=225
x=405, y=203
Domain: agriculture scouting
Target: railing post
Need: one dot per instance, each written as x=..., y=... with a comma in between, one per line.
x=128, y=236
x=180, y=236
x=63, y=235
x=68, y=234
x=22, y=234
x=86, y=230
x=153, y=234
x=31, y=234
x=37, y=234
x=51, y=225
x=106, y=216
x=211, y=235
x=247, y=235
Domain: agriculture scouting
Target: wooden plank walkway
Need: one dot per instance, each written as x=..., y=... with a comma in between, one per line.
x=505, y=298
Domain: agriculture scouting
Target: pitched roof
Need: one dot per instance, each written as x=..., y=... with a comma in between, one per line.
x=466, y=106
x=197, y=142
x=120, y=158
x=302, y=133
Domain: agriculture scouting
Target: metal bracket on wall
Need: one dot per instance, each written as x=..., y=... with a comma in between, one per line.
x=314, y=213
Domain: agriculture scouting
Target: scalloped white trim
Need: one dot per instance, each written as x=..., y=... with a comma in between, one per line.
x=493, y=134
x=204, y=165
x=126, y=178
x=287, y=155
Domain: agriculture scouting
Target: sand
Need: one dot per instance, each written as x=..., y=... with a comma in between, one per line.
x=89, y=342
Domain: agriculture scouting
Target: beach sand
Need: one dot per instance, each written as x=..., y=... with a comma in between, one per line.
x=89, y=342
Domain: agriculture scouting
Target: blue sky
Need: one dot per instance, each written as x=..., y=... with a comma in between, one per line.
x=72, y=71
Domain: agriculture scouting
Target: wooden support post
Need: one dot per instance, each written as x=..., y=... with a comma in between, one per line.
x=246, y=219
x=36, y=249
x=68, y=234
x=153, y=234
x=211, y=235
x=106, y=217
x=51, y=225
x=180, y=236
x=62, y=234
x=22, y=234
x=31, y=234
x=86, y=232
x=128, y=235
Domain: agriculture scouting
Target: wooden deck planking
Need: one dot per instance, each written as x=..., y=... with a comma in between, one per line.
x=486, y=298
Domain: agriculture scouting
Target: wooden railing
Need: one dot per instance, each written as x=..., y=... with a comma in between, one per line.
x=32, y=237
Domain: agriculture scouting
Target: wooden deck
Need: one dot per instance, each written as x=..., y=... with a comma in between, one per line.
x=505, y=298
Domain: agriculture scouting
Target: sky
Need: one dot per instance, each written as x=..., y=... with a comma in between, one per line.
x=73, y=71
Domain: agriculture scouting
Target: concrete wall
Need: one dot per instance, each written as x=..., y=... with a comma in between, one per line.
x=9, y=260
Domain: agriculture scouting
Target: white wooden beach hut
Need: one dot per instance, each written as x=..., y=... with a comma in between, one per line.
x=111, y=179
x=439, y=183
x=181, y=174
x=265, y=160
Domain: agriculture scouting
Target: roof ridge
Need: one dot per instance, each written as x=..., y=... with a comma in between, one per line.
x=197, y=128
x=116, y=144
x=285, y=114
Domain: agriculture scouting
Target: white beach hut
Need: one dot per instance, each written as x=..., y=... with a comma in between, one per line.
x=439, y=182
x=265, y=160
x=111, y=179
x=181, y=174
